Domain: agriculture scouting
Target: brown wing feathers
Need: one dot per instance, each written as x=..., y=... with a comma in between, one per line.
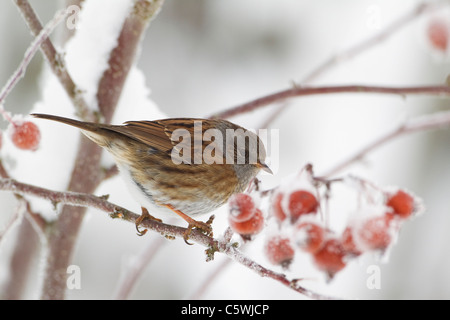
x=155, y=134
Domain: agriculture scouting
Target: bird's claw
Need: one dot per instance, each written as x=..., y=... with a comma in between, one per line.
x=144, y=215
x=204, y=227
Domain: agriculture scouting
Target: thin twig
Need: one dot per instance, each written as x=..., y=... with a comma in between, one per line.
x=264, y=272
x=440, y=90
x=29, y=54
x=22, y=262
x=31, y=227
x=56, y=61
x=382, y=35
x=38, y=221
x=133, y=270
x=361, y=47
x=434, y=121
x=208, y=280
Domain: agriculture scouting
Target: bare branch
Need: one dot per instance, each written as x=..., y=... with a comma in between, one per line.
x=29, y=54
x=434, y=121
x=56, y=61
x=442, y=90
x=27, y=244
x=382, y=35
x=361, y=47
x=135, y=268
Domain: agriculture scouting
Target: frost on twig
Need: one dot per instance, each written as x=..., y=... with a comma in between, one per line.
x=55, y=60
x=29, y=54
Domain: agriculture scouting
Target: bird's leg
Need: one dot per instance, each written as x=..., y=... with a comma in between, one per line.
x=205, y=227
x=144, y=215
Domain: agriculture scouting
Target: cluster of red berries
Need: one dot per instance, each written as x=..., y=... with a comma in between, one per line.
x=25, y=135
x=300, y=227
x=245, y=217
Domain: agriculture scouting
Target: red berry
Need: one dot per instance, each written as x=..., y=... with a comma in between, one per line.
x=276, y=207
x=246, y=223
x=438, y=34
x=330, y=258
x=279, y=251
x=301, y=202
x=401, y=203
x=309, y=236
x=242, y=206
x=375, y=233
x=348, y=243
x=25, y=135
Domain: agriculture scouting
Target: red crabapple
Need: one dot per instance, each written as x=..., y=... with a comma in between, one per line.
x=299, y=202
x=276, y=207
x=348, y=242
x=302, y=202
x=401, y=203
x=330, y=257
x=244, y=217
x=375, y=233
x=309, y=236
x=249, y=227
x=25, y=135
x=438, y=34
x=241, y=206
x=279, y=251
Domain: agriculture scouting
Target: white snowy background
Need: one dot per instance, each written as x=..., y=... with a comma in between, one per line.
x=200, y=57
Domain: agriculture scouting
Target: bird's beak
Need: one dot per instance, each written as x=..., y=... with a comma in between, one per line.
x=264, y=167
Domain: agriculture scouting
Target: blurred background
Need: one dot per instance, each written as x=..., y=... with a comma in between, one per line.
x=201, y=57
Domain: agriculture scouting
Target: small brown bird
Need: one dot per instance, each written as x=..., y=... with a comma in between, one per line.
x=191, y=166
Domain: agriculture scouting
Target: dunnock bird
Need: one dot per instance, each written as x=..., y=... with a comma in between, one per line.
x=213, y=160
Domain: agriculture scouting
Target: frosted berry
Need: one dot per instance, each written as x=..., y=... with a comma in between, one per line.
x=242, y=206
x=276, y=207
x=253, y=225
x=330, y=257
x=309, y=236
x=25, y=135
x=438, y=34
x=301, y=202
x=279, y=251
x=402, y=204
x=348, y=242
x=376, y=233
x=244, y=217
